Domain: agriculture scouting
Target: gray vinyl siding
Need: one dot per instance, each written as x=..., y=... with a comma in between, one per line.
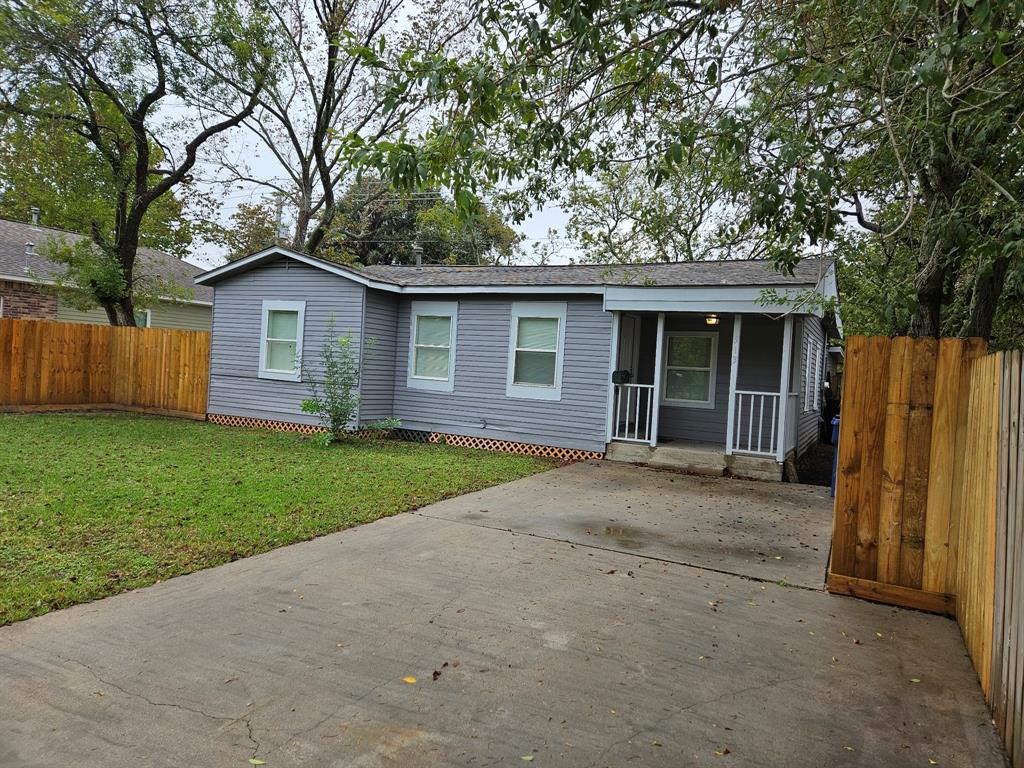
x=166, y=314
x=759, y=368
x=191, y=317
x=478, y=405
x=808, y=421
x=235, y=386
x=380, y=329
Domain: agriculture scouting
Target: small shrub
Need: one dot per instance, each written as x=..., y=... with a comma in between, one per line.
x=335, y=401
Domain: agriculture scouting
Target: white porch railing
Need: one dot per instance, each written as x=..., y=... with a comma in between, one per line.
x=756, y=423
x=631, y=412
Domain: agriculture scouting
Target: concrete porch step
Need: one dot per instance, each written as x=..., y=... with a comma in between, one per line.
x=697, y=459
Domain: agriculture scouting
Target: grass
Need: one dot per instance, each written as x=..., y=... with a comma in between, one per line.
x=93, y=505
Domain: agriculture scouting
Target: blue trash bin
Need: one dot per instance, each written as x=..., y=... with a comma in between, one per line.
x=835, y=452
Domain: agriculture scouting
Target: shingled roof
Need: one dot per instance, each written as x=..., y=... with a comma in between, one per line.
x=17, y=264
x=678, y=274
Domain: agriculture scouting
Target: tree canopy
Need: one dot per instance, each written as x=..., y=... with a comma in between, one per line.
x=114, y=74
x=891, y=127
x=376, y=224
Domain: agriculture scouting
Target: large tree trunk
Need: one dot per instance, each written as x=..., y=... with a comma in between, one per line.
x=988, y=287
x=928, y=285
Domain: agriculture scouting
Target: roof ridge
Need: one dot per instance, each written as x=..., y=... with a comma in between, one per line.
x=596, y=264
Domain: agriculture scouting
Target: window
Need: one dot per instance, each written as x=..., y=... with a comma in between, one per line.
x=813, y=362
x=432, y=345
x=690, y=363
x=143, y=318
x=536, y=346
x=281, y=334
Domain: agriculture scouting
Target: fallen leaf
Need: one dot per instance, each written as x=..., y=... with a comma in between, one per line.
x=932, y=762
x=655, y=743
x=410, y=679
x=437, y=674
x=527, y=758
x=915, y=680
x=722, y=752
x=256, y=761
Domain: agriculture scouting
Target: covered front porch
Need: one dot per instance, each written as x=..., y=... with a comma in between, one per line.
x=703, y=391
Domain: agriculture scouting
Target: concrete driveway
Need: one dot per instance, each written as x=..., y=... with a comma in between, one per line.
x=525, y=648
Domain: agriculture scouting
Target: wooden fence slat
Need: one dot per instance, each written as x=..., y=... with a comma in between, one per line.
x=848, y=462
x=1013, y=597
x=50, y=365
x=872, y=441
x=894, y=460
x=997, y=695
x=940, y=464
x=919, y=436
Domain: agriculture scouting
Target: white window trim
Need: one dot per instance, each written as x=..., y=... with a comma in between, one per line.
x=819, y=373
x=813, y=365
x=1, y=306
x=436, y=309
x=546, y=309
x=713, y=373
x=149, y=318
x=287, y=306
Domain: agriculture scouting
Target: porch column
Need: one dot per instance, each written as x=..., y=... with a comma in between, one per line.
x=787, y=357
x=659, y=352
x=734, y=365
x=613, y=359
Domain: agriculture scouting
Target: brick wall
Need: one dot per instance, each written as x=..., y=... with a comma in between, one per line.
x=27, y=300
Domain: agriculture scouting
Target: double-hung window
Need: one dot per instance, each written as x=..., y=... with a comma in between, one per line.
x=813, y=363
x=432, y=345
x=691, y=360
x=281, y=340
x=536, y=350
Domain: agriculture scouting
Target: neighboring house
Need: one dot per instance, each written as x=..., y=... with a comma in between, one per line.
x=24, y=271
x=656, y=362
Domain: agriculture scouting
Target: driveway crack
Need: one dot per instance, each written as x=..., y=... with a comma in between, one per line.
x=143, y=697
x=652, y=558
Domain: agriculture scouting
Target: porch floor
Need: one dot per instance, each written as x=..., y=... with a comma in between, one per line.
x=695, y=457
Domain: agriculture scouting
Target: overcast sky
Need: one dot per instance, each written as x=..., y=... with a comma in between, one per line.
x=206, y=255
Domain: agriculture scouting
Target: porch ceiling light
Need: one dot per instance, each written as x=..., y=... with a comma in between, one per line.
x=711, y=319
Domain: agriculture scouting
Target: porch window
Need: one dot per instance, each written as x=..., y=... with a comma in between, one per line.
x=690, y=365
x=536, y=344
x=281, y=335
x=432, y=345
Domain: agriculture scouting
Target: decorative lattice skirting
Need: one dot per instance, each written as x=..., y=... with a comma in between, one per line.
x=418, y=436
x=280, y=426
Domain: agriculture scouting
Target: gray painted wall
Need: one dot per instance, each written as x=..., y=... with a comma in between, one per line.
x=166, y=314
x=478, y=405
x=235, y=388
x=380, y=329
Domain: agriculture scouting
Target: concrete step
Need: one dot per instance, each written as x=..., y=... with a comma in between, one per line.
x=696, y=459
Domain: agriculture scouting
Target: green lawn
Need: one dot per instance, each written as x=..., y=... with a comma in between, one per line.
x=92, y=505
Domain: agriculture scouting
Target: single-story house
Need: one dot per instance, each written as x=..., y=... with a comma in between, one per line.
x=24, y=272
x=651, y=362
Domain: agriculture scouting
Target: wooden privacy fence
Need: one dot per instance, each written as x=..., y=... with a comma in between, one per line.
x=47, y=365
x=929, y=509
